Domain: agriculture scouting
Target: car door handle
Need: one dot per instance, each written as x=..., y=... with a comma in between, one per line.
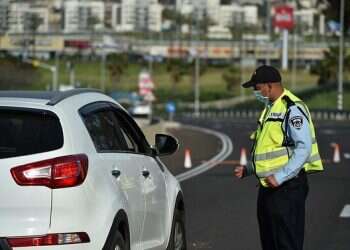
x=145, y=173
x=116, y=173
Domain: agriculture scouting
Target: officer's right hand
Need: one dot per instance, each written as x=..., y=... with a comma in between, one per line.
x=239, y=171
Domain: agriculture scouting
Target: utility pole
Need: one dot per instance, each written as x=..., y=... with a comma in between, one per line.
x=268, y=27
x=197, y=90
x=196, y=76
x=341, y=57
x=103, y=70
x=295, y=54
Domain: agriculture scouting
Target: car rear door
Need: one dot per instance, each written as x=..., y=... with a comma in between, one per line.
x=26, y=136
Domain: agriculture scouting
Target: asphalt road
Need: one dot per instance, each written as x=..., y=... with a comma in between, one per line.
x=221, y=210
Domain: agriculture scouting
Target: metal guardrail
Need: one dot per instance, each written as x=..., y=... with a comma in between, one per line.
x=317, y=115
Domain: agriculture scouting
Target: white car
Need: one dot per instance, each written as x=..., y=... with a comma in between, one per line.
x=142, y=109
x=76, y=172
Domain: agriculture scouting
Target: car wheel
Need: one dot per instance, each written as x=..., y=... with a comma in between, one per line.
x=117, y=242
x=178, y=234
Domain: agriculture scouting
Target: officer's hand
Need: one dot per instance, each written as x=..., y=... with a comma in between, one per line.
x=271, y=181
x=239, y=171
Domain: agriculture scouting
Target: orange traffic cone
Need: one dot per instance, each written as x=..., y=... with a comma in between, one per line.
x=188, y=162
x=336, y=154
x=243, y=158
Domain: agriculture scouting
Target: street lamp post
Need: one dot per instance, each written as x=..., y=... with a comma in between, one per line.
x=341, y=58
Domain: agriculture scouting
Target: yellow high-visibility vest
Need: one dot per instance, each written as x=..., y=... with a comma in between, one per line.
x=271, y=150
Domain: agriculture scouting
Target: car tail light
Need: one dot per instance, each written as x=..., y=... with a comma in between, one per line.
x=61, y=172
x=49, y=240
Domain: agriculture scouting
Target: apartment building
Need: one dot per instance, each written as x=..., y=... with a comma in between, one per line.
x=4, y=12
x=80, y=16
x=137, y=15
x=21, y=14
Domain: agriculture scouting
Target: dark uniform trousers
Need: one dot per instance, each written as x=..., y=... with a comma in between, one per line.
x=281, y=214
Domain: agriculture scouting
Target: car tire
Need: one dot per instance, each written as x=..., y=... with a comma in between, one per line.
x=116, y=242
x=177, y=239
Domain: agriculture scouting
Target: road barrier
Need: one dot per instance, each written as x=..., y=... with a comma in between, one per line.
x=317, y=115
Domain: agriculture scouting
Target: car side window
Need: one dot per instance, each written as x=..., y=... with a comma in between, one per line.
x=111, y=129
x=129, y=133
x=105, y=132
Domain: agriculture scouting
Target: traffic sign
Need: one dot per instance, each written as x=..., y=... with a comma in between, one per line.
x=146, y=85
x=170, y=107
x=283, y=17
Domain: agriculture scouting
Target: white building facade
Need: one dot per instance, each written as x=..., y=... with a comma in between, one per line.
x=4, y=13
x=137, y=15
x=83, y=15
x=19, y=17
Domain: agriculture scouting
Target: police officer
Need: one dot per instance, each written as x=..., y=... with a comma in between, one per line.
x=283, y=152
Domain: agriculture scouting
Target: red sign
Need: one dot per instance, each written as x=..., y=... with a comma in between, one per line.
x=283, y=17
x=146, y=84
x=79, y=44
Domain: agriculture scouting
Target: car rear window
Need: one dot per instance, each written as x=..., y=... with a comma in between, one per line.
x=25, y=132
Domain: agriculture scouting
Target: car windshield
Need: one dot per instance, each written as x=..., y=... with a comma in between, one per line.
x=24, y=132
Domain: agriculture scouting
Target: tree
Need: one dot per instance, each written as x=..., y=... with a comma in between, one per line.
x=117, y=64
x=232, y=77
x=15, y=74
x=177, y=20
x=32, y=23
x=204, y=26
x=333, y=10
x=177, y=68
x=91, y=25
x=327, y=69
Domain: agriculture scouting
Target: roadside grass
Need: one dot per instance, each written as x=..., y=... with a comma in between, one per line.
x=328, y=101
x=212, y=85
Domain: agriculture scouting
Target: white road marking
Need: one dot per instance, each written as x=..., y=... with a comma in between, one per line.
x=345, y=213
x=226, y=150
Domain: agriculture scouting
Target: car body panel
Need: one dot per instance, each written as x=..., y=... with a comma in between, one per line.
x=92, y=206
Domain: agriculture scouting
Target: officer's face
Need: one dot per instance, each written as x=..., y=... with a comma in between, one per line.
x=264, y=88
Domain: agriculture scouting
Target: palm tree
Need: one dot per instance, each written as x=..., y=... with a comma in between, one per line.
x=178, y=20
x=177, y=68
x=91, y=25
x=32, y=23
x=117, y=64
x=232, y=77
x=327, y=69
x=204, y=25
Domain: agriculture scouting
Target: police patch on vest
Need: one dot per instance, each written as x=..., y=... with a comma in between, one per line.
x=296, y=122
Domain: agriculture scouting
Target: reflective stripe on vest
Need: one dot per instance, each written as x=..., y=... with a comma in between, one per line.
x=276, y=154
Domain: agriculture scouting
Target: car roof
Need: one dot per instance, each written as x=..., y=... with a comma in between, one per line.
x=53, y=97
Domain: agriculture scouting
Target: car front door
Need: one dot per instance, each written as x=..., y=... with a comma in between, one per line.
x=121, y=166
x=154, y=189
x=153, y=185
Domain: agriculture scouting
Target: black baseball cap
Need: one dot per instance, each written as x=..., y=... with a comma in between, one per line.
x=263, y=74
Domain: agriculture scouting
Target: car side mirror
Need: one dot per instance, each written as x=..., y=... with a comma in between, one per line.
x=165, y=144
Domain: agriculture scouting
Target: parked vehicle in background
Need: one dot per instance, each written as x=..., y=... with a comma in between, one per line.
x=77, y=170
x=134, y=103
